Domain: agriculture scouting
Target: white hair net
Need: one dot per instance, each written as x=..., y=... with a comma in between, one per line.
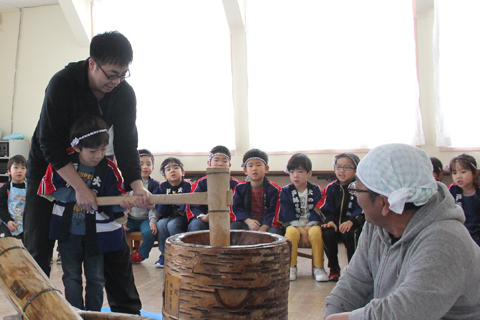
x=400, y=172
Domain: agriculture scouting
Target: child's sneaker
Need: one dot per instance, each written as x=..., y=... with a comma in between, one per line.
x=160, y=263
x=320, y=274
x=334, y=274
x=293, y=273
x=59, y=259
x=136, y=257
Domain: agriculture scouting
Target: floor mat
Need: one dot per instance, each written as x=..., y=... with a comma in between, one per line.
x=144, y=313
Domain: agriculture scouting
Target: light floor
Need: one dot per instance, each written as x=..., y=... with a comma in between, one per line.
x=306, y=296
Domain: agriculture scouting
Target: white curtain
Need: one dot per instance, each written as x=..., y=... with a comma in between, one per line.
x=331, y=74
x=457, y=69
x=181, y=71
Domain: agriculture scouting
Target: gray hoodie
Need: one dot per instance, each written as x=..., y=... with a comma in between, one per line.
x=142, y=213
x=432, y=272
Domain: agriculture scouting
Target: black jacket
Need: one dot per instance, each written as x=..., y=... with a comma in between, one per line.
x=67, y=98
x=4, y=191
x=339, y=206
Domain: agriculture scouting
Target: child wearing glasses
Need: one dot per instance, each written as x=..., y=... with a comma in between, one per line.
x=343, y=216
x=466, y=191
x=297, y=214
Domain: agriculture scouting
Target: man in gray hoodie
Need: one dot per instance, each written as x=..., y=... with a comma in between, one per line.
x=415, y=258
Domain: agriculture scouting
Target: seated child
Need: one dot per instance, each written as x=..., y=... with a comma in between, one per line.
x=344, y=218
x=83, y=237
x=298, y=214
x=173, y=219
x=437, y=169
x=143, y=219
x=256, y=200
x=198, y=214
x=466, y=191
x=12, y=198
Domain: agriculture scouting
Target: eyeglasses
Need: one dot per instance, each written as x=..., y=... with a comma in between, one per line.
x=352, y=188
x=340, y=168
x=126, y=74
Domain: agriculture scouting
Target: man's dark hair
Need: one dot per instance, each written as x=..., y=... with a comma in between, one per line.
x=111, y=47
x=255, y=153
x=146, y=153
x=222, y=149
x=87, y=125
x=17, y=159
x=299, y=160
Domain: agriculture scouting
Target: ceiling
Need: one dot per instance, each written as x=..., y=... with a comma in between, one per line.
x=422, y=6
x=8, y=5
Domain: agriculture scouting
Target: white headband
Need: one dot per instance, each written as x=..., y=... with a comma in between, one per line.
x=76, y=140
x=218, y=154
x=253, y=158
x=170, y=164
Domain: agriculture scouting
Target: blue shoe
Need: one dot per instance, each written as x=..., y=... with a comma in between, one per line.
x=160, y=262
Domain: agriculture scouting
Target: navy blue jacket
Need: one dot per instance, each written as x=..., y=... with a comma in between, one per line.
x=242, y=199
x=164, y=210
x=153, y=185
x=195, y=210
x=109, y=233
x=287, y=210
x=472, y=219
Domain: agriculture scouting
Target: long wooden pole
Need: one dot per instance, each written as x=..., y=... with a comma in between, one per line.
x=179, y=198
x=218, y=184
x=27, y=287
x=218, y=198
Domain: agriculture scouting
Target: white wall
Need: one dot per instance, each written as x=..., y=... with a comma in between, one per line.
x=47, y=44
x=8, y=39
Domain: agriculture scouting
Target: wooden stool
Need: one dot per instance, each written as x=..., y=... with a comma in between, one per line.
x=305, y=255
x=134, y=240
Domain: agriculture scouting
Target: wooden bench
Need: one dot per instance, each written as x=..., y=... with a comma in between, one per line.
x=305, y=255
x=134, y=240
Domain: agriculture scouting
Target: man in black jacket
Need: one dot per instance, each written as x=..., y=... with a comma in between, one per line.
x=94, y=86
